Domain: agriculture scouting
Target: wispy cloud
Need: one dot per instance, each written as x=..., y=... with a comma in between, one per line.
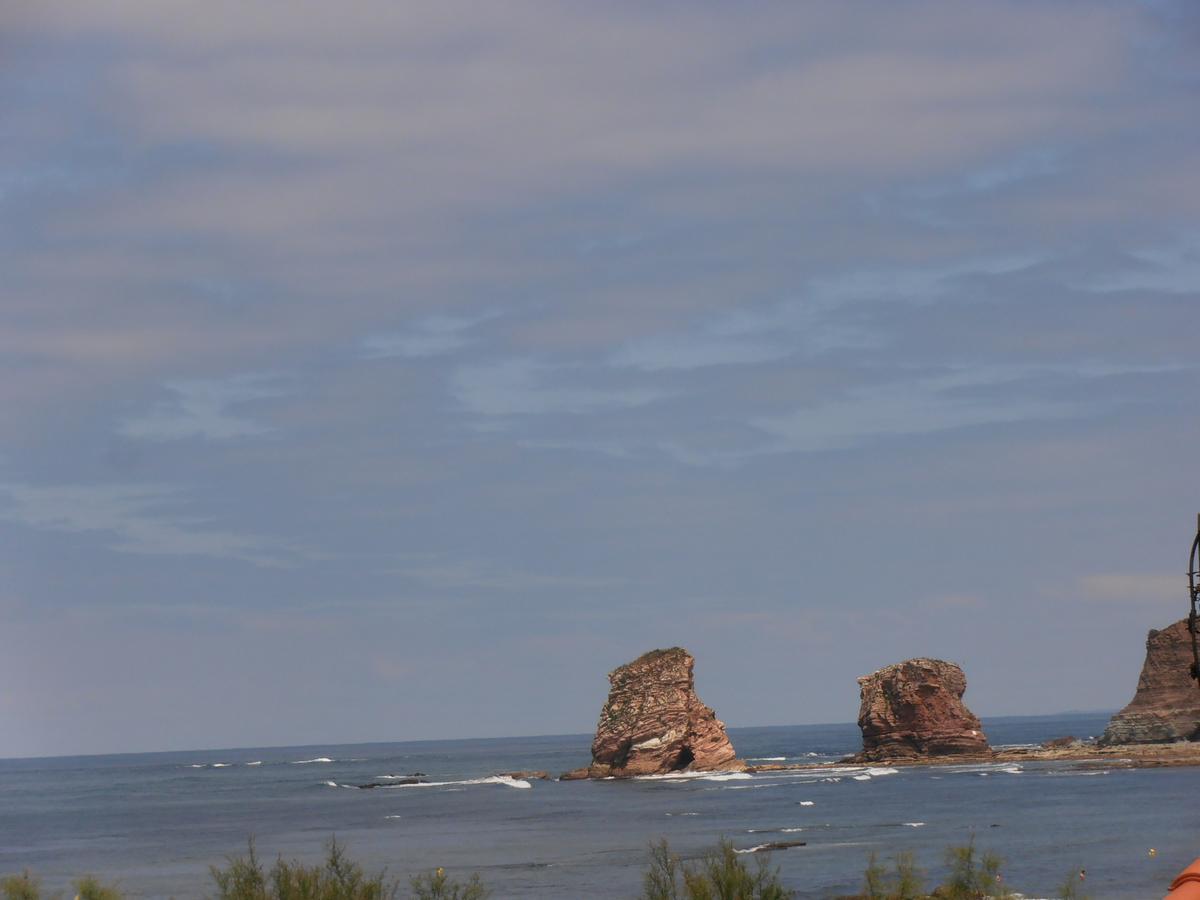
x=695, y=352
x=136, y=518
x=432, y=336
x=909, y=407
x=1135, y=587
x=203, y=409
x=1173, y=267
x=527, y=387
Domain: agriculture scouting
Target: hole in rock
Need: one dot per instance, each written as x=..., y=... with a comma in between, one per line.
x=684, y=759
x=621, y=757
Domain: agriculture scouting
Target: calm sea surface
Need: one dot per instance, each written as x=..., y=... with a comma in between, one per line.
x=154, y=822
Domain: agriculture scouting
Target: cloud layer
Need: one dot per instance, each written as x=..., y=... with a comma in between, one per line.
x=483, y=348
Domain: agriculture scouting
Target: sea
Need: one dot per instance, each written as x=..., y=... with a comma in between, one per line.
x=154, y=823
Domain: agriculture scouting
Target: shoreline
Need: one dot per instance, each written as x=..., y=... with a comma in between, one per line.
x=1123, y=756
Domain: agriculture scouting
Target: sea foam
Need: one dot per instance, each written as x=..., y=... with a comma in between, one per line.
x=491, y=779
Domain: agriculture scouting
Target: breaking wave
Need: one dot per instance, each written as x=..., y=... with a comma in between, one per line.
x=491, y=779
x=319, y=759
x=696, y=776
x=753, y=849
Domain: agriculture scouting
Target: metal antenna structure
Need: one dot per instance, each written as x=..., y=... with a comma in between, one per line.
x=1194, y=593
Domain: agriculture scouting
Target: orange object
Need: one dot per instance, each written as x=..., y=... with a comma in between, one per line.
x=1186, y=886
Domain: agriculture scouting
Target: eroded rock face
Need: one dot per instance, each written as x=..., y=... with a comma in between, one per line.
x=915, y=709
x=1166, y=706
x=653, y=722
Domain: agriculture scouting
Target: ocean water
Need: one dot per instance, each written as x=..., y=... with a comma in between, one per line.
x=154, y=822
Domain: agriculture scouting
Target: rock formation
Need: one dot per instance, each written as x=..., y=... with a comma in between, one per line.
x=653, y=722
x=915, y=709
x=1166, y=706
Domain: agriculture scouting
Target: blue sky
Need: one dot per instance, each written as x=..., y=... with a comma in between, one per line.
x=396, y=371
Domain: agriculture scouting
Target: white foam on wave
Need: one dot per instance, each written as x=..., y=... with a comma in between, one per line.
x=863, y=777
x=319, y=759
x=806, y=803
x=1013, y=770
x=491, y=779
x=393, y=817
x=876, y=771
x=834, y=780
x=257, y=762
x=766, y=759
x=693, y=776
x=221, y=765
x=753, y=849
x=684, y=814
x=198, y=766
x=914, y=824
x=790, y=830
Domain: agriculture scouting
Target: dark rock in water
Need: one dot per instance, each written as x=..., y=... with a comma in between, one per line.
x=914, y=709
x=653, y=723
x=1166, y=706
x=389, y=783
x=776, y=845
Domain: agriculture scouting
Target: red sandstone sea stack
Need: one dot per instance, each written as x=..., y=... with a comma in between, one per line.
x=914, y=709
x=1166, y=706
x=653, y=722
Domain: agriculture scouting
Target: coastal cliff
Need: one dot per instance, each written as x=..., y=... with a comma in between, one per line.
x=914, y=709
x=653, y=722
x=1166, y=705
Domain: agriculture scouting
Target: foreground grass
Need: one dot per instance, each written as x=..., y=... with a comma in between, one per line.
x=337, y=878
x=971, y=876
x=722, y=874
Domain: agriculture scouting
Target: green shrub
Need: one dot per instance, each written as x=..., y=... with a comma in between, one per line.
x=1070, y=889
x=721, y=875
x=972, y=877
x=20, y=887
x=337, y=878
x=89, y=888
x=436, y=885
x=903, y=883
x=875, y=886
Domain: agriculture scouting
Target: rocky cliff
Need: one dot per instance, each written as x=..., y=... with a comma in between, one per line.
x=1166, y=706
x=915, y=709
x=653, y=722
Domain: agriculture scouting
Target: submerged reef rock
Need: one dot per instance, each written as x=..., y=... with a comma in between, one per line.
x=1166, y=706
x=653, y=722
x=914, y=709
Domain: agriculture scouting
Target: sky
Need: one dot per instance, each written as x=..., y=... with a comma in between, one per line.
x=388, y=371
